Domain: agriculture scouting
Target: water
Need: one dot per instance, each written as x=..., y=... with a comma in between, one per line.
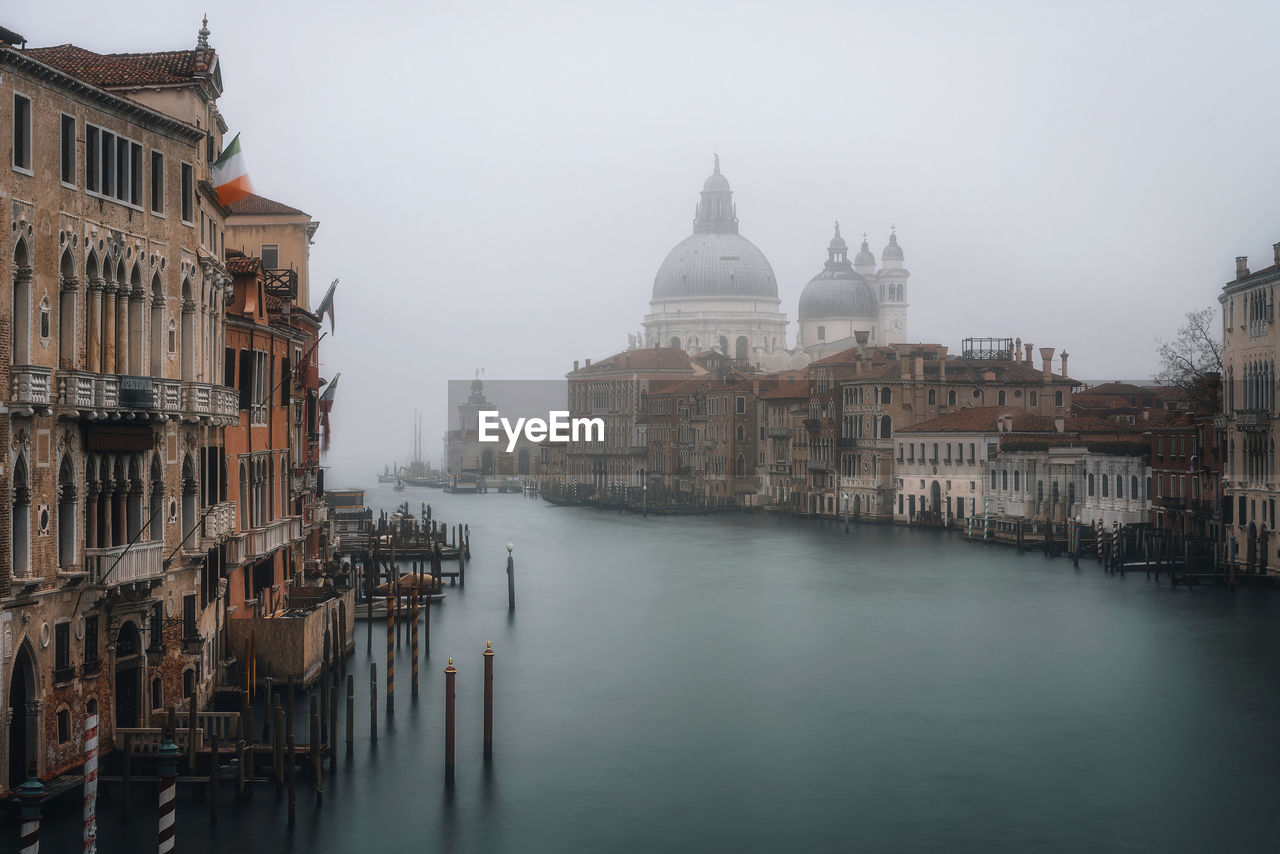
x=744, y=683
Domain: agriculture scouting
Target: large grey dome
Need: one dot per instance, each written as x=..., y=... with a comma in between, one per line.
x=712, y=264
x=715, y=261
x=838, y=291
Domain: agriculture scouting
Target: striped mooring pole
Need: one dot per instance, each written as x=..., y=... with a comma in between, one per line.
x=30, y=794
x=168, y=784
x=91, y=784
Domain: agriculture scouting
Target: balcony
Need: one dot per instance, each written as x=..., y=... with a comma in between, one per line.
x=281, y=283
x=778, y=432
x=30, y=385
x=103, y=396
x=218, y=523
x=257, y=543
x=818, y=465
x=780, y=468
x=1171, y=503
x=124, y=565
x=1220, y=422
x=812, y=424
x=638, y=450
x=1253, y=420
x=847, y=443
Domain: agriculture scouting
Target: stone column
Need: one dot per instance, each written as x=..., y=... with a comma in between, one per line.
x=91, y=518
x=122, y=331
x=108, y=526
x=109, y=328
x=93, y=338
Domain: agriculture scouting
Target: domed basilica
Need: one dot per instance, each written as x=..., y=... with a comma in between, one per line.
x=717, y=291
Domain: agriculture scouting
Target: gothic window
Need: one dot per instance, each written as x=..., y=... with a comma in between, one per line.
x=45, y=316
x=20, y=521
x=951, y=397
x=933, y=397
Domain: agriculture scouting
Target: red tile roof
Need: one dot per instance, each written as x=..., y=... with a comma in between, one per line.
x=977, y=419
x=125, y=69
x=240, y=264
x=255, y=204
x=648, y=359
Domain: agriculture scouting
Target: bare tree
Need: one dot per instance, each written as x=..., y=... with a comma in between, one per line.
x=1193, y=360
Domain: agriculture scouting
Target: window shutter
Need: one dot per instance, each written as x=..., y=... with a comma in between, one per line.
x=246, y=379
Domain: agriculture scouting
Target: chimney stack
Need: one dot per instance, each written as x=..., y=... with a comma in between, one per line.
x=1017, y=348
x=942, y=365
x=1275, y=250
x=861, y=335
x=1060, y=424
x=575, y=364
x=1064, y=364
x=588, y=363
x=1242, y=266
x=917, y=366
x=1046, y=360
x=1029, y=347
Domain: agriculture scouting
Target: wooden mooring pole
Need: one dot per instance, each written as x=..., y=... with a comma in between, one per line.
x=449, y=673
x=351, y=709
x=488, y=701
x=391, y=657
x=413, y=641
x=373, y=702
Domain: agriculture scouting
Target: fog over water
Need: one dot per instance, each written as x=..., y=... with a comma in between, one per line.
x=497, y=183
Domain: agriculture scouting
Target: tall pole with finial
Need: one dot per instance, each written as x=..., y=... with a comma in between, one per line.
x=488, y=701
x=511, y=578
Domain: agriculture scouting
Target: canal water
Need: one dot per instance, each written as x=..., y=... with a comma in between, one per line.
x=748, y=683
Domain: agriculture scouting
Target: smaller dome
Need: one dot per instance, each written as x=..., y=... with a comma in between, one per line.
x=842, y=296
x=715, y=181
x=892, y=252
x=864, y=258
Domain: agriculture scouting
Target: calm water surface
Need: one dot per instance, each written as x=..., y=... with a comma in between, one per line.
x=743, y=683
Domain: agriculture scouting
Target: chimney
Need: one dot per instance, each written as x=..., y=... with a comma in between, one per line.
x=1242, y=266
x=588, y=363
x=1060, y=424
x=1028, y=346
x=861, y=335
x=1046, y=360
x=942, y=364
x=917, y=367
x=1275, y=250
x=1017, y=348
x=575, y=364
x=1064, y=364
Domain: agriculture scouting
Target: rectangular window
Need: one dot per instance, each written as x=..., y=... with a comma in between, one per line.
x=270, y=256
x=1057, y=398
x=62, y=645
x=189, y=616
x=135, y=174
x=122, y=169
x=742, y=405
x=188, y=193
x=91, y=158
x=229, y=367
x=246, y=379
x=22, y=132
x=157, y=182
x=285, y=381
x=91, y=643
x=822, y=333
x=107, y=170
x=68, y=149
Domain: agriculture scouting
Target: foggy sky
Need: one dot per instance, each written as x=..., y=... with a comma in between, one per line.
x=497, y=183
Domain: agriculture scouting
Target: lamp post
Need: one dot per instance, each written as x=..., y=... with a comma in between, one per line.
x=846, y=512
x=644, y=495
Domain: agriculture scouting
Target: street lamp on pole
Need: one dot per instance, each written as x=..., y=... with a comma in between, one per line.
x=846, y=512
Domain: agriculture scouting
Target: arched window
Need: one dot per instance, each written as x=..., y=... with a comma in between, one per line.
x=155, y=510
x=993, y=478
x=886, y=427
x=951, y=397
x=21, y=304
x=245, y=516
x=20, y=521
x=1016, y=474
x=1119, y=486
x=188, y=333
x=742, y=349
x=675, y=343
x=1004, y=479
x=933, y=397
x=136, y=294
x=67, y=312
x=66, y=514
x=157, y=327
x=741, y=466
x=742, y=433
x=189, y=485
x=1133, y=486
x=1091, y=485
x=1106, y=480
x=1000, y=398
x=886, y=396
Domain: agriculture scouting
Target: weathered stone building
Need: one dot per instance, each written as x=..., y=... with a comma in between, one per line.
x=113, y=432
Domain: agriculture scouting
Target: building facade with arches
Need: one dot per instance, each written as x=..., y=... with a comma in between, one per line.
x=113, y=541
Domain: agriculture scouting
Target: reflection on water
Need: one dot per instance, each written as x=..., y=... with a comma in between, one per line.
x=750, y=683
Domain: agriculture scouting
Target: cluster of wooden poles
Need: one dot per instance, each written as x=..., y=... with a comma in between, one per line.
x=278, y=732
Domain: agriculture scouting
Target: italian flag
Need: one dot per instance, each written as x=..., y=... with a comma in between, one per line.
x=230, y=175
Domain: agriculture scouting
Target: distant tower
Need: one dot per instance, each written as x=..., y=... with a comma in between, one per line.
x=893, y=288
